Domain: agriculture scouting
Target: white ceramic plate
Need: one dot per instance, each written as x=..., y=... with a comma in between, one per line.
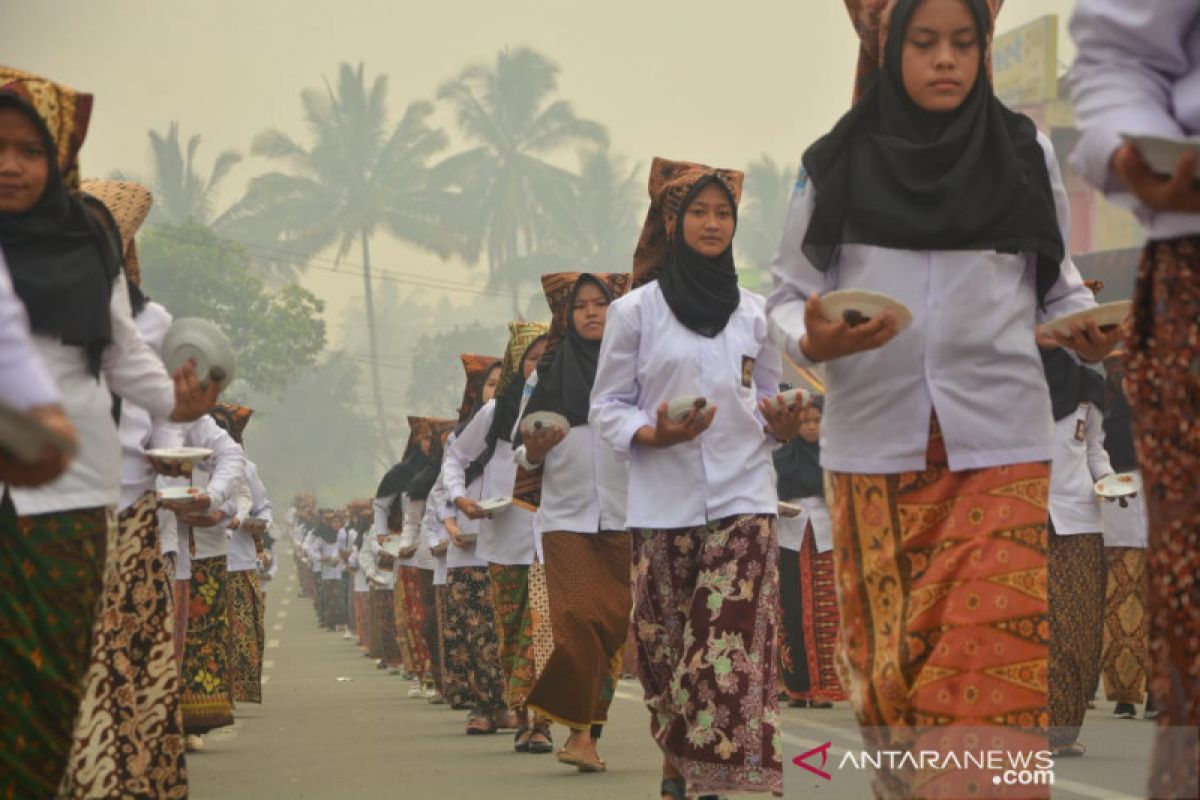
x=796, y=396
x=1104, y=315
x=545, y=419
x=1163, y=154
x=678, y=408
x=790, y=510
x=391, y=546
x=849, y=303
x=178, y=492
x=495, y=505
x=180, y=455
x=25, y=437
x=1122, y=484
x=199, y=340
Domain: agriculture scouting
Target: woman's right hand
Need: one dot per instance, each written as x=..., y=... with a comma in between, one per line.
x=826, y=341
x=455, y=533
x=470, y=508
x=51, y=462
x=193, y=398
x=668, y=433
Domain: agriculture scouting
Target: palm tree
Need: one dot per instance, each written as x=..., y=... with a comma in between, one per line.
x=358, y=177
x=764, y=211
x=181, y=194
x=507, y=110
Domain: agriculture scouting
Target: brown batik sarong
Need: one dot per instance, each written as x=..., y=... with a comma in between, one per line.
x=1126, y=659
x=705, y=610
x=587, y=579
x=941, y=580
x=1164, y=370
x=129, y=731
x=1075, y=565
x=245, y=644
x=472, y=647
x=207, y=703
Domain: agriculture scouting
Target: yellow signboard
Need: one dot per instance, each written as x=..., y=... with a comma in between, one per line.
x=1025, y=63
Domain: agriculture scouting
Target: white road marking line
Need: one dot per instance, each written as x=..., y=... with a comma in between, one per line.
x=287, y=601
x=265, y=678
x=281, y=614
x=273, y=643
x=278, y=626
x=267, y=663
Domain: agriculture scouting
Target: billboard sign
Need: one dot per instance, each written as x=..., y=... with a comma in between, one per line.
x=1025, y=63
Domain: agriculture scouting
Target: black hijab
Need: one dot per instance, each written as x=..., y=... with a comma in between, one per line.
x=397, y=479
x=325, y=531
x=701, y=292
x=1070, y=383
x=566, y=375
x=422, y=482
x=798, y=467
x=508, y=406
x=62, y=261
x=893, y=175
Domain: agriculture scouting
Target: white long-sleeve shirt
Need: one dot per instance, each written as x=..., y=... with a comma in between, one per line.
x=414, y=534
x=791, y=529
x=507, y=537
x=332, y=565
x=368, y=559
x=129, y=367
x=1128, y=525
x=222, y=476
x=1079, y=461
x=1137, y=71
x=648, y=357
x=24, y=381
x=433, y=529
x=970, y=353
x=443, y=507
x=585, y=485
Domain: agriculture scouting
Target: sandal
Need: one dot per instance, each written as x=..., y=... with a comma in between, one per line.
x=1073, y=750
x=565, y=756
x=480, y=726
x=521, y=739
x=539, y=739
x=598, y=765
x=673, y=788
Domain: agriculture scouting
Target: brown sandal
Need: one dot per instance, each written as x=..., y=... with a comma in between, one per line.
x=480, y=726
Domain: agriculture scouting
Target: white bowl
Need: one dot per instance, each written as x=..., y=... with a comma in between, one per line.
x=180, y=455
x=837, y=306
x=545, y=419
x=1163, y=154
x=495, y=505
x=680, y=407
x=25, y=437
x=199, y=340
x=798, y=396
x=1121, y=484
x=179, y=492
x=1103, y=315
x=790, y=510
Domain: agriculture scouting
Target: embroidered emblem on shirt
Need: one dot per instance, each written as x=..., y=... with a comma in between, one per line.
x=747, y=371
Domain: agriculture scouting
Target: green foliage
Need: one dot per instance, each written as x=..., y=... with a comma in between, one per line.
x=763, y=212
x=195, y=273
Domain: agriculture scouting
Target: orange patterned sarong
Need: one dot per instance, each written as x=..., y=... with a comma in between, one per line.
x=942, y=585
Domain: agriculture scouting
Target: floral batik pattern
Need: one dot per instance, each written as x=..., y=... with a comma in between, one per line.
x=245, y=644
x=514, y=627
x=207, y=703
x=469, y=637
x=705, y=614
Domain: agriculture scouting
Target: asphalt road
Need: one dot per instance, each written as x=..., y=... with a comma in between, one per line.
x=333, y=726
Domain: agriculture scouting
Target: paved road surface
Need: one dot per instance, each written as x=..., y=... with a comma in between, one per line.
x=316, y=736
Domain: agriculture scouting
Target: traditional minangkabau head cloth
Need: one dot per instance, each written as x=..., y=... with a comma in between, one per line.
x=129, y=203
x=701, y=292
x=522, y=336
x=477, y=368
x=60, y=257
x=397, y=479
x=893, y=175
x=423, y=481
x=232, y=418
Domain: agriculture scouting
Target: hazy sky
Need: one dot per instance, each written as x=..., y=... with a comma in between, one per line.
x=700, y=80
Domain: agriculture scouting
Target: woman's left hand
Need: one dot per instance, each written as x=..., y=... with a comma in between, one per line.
x=540, y=441
x=207, y=519
x=1087, y=341
x=193, y=399
x=783, y=421
x=407, y=552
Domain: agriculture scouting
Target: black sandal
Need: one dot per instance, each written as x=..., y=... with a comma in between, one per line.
x=518, y=745
x=536, y=746
x=674, y=788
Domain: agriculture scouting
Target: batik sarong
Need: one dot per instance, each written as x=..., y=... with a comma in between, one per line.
x=129, y=731
x=1075, y=566
x=514, y=627
x=587, y=580
x=246, y=623
x=941, y=580
x=1126, y=659
x=51, y=575
x=810, y=668
x=207, y=703
x=706, y=613
x=472, y=647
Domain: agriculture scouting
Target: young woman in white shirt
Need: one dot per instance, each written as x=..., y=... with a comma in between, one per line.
x=67, y=273
x=469, y=635
x=506, y=538
x=702, y=501
x=807, y=592
x=579, y=498
x=931, y=191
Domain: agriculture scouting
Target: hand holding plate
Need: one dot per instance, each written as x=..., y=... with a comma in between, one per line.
x=1087, y=340
x=1179, y=192
x=52, y=461
x=470, y=508
x=197, y=503
x=192, y=398
x=541, y=440
x=455, y=533
x=826, y=340
x=439, y=549
x=668, y=432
